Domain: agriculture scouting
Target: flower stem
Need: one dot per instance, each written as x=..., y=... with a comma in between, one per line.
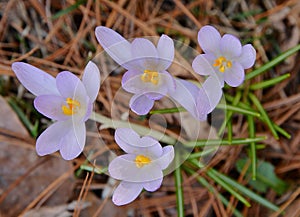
x=142, y=130
x=179, y=192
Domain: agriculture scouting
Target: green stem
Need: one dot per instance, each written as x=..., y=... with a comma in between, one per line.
x=251, y=130
x=179, y=191
x=109, y=123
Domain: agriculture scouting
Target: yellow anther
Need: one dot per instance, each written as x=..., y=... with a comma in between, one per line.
x=222, y=63
x=71, y=108
x=150, y=76
x=141, y=161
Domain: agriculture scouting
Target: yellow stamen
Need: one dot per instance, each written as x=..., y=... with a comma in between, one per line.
x=222, y=63
x=141, y=161
x=150, y=76
x=71, y=108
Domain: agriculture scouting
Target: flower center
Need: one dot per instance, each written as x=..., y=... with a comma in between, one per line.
x=222, y=63
x=141, y=161
x=150, y=76
x=71, y=108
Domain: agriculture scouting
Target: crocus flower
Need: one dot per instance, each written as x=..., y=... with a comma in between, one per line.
x=140, y=168
x=146, y=77
x=225, y=57
x=65, y=99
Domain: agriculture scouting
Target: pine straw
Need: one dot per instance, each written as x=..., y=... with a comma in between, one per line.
x=27, y=33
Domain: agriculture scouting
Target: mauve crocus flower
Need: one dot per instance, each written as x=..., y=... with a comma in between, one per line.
x=140, y=168
x=146, y=77
x=224, y=57
x=65, y=99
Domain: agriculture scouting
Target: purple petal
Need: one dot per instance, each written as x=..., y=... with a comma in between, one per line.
x=209, y=40
x=35, y=80
x=132, y=143
x=115, y=45
x=70, y=86
x=50, y=140
x=166, y=157
x=213, y=89
x=235, y=75
x=73, y=143
x=145, y=54
x=186, y=95
x=248, y=56
x=141, y=104
x=124, y=168
x=127, y=138
x=203, y=64
x=91, y=80
x=231, y=46
x=51, y=106
x=130, y=74
x=126, y=192
x=134, y=84
x=150, y=147
x=153, y=185
x=168, y=81
x=165, y=49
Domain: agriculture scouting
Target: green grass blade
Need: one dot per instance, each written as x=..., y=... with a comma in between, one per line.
x=212, y=142
x=205, y=183
x=238, y=109
x=251, y=129
x=223, y=184
x=229, y=114
x=270, y=82
x=246, y=191
x=263, y=114
x=68, y=9
x=273, y=62
x=167, y=111
x=245, y=106
x=31, y=128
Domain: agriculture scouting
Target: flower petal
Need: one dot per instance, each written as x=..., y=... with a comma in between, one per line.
x=144, y=53
x=51, y=106
x=70, y=86
x=186, y=94
x=130, y=74
x=166, y=157
x=209, y=40
x=35, y=80
x=50, y=140
x=203, y=64
x=153, y=185
x=231, y=46
x=126, y=138
x=115, y=45
x=130, y=142
x=141, y=104
x=248, y=56
x=134, y=84
x=73, y=143
x=235, y=75
x=126, y=192
x=166, y=51
x=213, y=90
x=91, y=80
x=150, y=147
x=124, y=168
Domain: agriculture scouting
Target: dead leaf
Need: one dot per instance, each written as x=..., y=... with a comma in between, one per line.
x=24, y=175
